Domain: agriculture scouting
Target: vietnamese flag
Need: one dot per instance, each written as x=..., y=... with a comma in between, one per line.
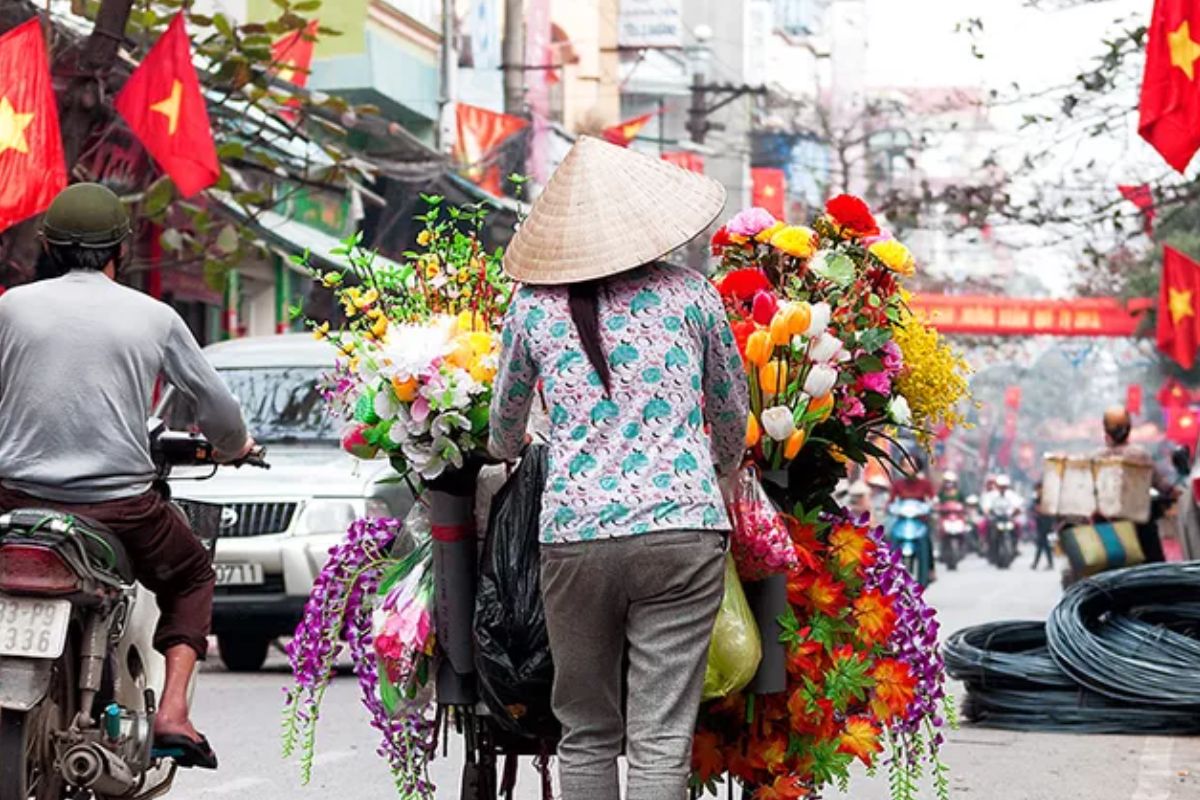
x=165, y=108
x=623, y=133
x=1169, y=110
x=480, y=132
x=770, y=189
x=32, y=166
x=293, y=54
x=1178, y=297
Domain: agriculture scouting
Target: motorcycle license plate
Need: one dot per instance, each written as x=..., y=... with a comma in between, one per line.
x=239, y=574
x=32, y=627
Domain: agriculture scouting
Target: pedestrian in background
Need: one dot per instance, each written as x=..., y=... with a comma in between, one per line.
x=1044, y=523
x=647, y=400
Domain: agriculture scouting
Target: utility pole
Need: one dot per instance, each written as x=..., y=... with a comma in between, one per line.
x=514, y=57
x=701, y=109
x=442, y=139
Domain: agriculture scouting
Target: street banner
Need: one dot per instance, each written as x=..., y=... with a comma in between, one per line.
x=293, y=54
x=1006, y=316
x=32, y=166
x=537, y=89
x=1178, y=333
x=685, y=159
x=650, y=23
x=770, y=189
x=1143, y=198
x=625, y=132
x=1133, y=399
x=165, y=109
x=1169, y=109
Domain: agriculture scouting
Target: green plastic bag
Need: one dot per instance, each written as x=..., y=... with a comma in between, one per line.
x=736, y=648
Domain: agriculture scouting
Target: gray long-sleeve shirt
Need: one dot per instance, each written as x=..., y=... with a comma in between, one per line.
x=79, y=358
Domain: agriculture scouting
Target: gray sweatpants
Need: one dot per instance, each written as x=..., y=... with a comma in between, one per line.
x=654, y=597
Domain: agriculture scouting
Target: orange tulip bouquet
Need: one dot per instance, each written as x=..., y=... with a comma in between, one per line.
x=819, y=315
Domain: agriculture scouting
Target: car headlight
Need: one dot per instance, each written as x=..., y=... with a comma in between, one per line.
x=329, y=515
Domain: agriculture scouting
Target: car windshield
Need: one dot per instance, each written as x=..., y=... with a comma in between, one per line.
x=282, y=405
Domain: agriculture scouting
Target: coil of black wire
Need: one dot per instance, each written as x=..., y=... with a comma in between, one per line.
x=1004, y=655
x=1014, y=683
x=1133, y=635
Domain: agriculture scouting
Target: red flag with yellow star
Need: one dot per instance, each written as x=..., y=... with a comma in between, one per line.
x=1169, y=111
x=1178, y=295
x=293, y=54
x=32, y=167
x=623, y=133
x=164, y=107
x=770, y=190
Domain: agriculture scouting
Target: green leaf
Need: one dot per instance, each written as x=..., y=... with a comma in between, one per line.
x=872, y=339
x=306, y=5
x=171, y=239
x=837, y=268
x=158, y=197
x=869, y=363
x=224, y=26
x=231, y=150
x=228, y=240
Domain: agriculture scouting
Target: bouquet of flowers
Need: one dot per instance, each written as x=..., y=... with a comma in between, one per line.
x=864, y=673
x=819, y=314
x=419, y=350
x=402, y=627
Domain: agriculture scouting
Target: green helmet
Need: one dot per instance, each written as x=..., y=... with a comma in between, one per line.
x=86, y=215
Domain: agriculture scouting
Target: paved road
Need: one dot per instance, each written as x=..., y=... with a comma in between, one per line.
x=241, y=716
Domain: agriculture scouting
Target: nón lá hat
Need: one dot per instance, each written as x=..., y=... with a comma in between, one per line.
x=606, y=210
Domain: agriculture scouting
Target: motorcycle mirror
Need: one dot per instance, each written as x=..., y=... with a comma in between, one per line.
x=1181, y=459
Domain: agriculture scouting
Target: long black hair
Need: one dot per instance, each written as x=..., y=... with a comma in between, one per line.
x=584, y=302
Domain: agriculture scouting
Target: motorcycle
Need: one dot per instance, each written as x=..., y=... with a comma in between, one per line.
x=78, y=675
x=910, y=535
x=1003, y=517
x=953, y=530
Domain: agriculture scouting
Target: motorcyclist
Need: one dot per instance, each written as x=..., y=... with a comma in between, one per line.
x=917, y=486
x=79, y=358
x=950, y=491
x=1117, y=427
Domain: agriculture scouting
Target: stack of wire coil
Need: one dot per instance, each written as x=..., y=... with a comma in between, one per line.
x=1120, y=654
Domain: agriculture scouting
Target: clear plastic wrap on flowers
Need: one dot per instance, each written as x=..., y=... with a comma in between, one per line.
x=402, y=623
x=736, y=648
x=761, y=543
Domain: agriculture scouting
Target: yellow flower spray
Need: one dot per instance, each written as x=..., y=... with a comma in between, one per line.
x=934, y=379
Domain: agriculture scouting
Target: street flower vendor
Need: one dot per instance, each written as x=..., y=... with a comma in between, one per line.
x=648, y=403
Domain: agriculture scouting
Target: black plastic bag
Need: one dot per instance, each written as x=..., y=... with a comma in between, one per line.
x=512, y=647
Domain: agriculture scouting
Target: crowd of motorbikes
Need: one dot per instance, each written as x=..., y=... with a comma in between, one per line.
x=950, y=528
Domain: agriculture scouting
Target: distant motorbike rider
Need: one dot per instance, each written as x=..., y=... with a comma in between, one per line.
x=1117, y=427
x=917, y=486
x=950, y=491
x=79, y=358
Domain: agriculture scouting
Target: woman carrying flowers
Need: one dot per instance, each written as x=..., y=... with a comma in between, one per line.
x=647, y=400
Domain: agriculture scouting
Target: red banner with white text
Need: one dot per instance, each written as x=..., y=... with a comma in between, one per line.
x=1008, y=316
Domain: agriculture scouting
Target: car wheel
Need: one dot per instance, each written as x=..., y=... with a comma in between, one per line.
x=243, y=652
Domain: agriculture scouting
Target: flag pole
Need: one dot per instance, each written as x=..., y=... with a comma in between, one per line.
x=449, y=56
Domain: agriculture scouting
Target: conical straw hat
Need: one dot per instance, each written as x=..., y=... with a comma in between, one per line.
x=606, y=210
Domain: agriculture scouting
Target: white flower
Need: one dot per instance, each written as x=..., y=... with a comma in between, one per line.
x=447, y=422
x=820, y=320
x=386, y=404
x=411, y=350
x=825, y=349
x=820, y=381
x=898, y=410
x=778, y=423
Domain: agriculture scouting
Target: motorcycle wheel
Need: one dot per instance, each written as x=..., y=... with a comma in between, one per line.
x=951, y=554
x=26, y=744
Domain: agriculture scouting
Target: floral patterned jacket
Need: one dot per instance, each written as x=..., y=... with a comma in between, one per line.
x=645, y=458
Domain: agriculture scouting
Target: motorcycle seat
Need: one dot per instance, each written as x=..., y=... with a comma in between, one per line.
x=104, y=549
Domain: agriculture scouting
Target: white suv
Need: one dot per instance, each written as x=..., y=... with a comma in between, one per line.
x=278, y=525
